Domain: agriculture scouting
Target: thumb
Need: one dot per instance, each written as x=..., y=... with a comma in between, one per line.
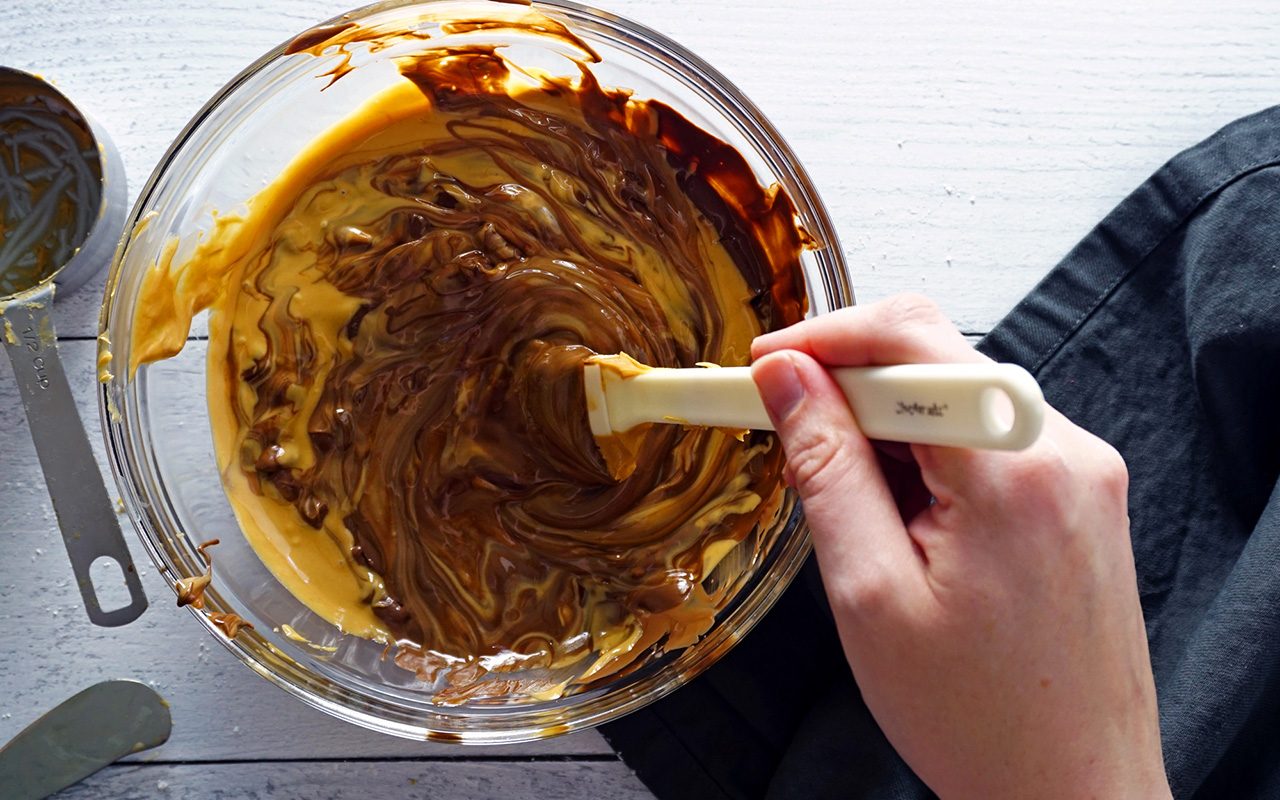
x=851, y=511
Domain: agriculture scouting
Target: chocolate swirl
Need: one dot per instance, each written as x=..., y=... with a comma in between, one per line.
x=400, y=369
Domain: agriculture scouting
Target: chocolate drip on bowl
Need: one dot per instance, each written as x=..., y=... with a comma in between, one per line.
x=396, y=376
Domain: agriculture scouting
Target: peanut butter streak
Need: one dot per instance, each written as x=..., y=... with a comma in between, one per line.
x=398, y=327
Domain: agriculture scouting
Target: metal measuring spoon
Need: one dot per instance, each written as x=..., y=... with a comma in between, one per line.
x=62, y=204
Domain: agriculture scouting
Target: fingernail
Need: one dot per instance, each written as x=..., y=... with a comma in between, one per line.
x=780, y=387
x=761, y=345
x=789, y=475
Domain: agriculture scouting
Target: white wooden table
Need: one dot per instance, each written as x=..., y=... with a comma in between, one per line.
x=962, y=148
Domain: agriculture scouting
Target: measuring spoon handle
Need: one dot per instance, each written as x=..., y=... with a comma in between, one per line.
x=86, y=517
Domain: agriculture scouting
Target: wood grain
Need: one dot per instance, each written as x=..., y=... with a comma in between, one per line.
x=590, y=780
x=961, y=148
x=220, y=709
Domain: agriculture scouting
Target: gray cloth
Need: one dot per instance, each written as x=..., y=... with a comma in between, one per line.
x=1159, y=332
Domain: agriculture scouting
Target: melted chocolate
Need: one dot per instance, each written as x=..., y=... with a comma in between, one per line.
x=400, y=368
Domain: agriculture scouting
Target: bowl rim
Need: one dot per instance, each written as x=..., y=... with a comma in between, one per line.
x=587, y=709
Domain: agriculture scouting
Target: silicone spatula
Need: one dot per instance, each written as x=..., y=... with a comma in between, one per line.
x=80, y=736
x=987, y=406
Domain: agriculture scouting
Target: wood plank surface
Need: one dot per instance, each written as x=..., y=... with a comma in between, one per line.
x=220, y=709
x=483, y=780
x=961, y=148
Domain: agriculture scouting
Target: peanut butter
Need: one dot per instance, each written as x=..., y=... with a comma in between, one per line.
x=398, y=328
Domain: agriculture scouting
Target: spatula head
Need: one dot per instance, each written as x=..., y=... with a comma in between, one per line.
x=82, y=735
x=597, y=402
x=618, y=447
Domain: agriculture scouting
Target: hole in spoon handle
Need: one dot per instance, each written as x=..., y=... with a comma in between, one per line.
x=986, y=406
x=86, y=516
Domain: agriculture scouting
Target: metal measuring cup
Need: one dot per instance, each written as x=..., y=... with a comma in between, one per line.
x=62, y=206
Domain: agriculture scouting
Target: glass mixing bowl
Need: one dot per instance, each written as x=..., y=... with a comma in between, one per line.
x=157, y=425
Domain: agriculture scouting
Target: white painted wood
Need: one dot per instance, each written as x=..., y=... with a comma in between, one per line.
x=363, y=780
x=49, y=650
x=962, y=148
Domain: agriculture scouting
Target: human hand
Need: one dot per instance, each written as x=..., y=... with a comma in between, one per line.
x=995, y=630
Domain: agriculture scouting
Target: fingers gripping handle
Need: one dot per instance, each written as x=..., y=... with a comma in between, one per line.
x=989, y=406
x=90, y=528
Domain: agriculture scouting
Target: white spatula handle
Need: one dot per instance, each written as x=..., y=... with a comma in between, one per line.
x=990, y=406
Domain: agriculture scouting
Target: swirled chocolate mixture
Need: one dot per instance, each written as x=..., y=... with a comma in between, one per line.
x=395, y=374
